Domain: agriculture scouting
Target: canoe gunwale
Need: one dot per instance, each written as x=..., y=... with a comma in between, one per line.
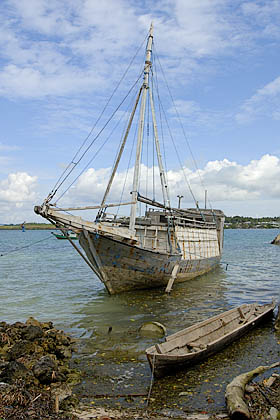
x=160, y=362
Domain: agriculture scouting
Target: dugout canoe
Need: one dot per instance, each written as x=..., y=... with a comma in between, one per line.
x=196, y=343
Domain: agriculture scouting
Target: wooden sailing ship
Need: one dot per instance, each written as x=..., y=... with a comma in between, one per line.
x=164, y=245
x=194, y=344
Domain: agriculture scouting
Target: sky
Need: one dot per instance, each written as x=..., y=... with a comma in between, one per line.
x=61, y=61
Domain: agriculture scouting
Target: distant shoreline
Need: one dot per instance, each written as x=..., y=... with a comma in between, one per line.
x=29, y=226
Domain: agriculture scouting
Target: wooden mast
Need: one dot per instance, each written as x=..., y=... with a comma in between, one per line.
x=141, y=130
x=164, y=186
x=118, y=157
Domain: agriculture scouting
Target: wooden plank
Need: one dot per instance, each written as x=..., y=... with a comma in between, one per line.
x=93, y=207
x=158, y=349
x=173, y=277
x=242, y=316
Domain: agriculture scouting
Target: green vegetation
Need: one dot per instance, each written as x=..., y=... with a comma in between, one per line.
x=240, y=222
x=233, y=222
x=28, y=226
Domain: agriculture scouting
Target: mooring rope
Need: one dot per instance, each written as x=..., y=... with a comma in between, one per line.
x=152, y=380
x=25, y=246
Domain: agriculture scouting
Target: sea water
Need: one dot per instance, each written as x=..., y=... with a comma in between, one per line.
x=44, y=277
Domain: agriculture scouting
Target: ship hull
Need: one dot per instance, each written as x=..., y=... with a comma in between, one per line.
x=128, y=267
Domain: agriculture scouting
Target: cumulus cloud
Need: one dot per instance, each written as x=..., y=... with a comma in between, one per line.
x=17, y=196
x=18, y=188
x=227, y=183
x=224, y=180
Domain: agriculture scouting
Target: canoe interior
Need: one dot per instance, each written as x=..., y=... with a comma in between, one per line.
x=197, y=342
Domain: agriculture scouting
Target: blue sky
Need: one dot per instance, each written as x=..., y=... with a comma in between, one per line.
x=61, y=59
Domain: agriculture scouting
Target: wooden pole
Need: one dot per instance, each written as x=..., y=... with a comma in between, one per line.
x=120, y=151
x=81, y=254
x=103, y=275
x=164, y=186
x=140, y=131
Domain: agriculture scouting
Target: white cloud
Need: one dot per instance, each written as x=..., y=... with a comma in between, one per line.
x=8, y=148
x=227, y=183
x=265, y=14
x=60, y=47
x=224, y=180
x=17, y=197
x=18, y=188
x=265, y=102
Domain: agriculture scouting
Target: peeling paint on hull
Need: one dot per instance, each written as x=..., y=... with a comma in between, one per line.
x=129, y=267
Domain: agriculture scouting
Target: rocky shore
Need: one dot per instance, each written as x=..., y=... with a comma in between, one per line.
x=35, y=379
x=37, y=382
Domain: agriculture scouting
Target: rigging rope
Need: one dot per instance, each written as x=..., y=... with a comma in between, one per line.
x=128, y=165
x=103, y=128
x=184, y=135
x=58, y=183
x=161, y=125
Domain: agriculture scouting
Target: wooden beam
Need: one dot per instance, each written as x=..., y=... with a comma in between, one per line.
x=92, y=207
x=103, y=275
x=81, y=254
x=173, y=277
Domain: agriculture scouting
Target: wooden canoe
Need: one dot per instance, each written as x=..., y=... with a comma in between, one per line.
x=193, y=344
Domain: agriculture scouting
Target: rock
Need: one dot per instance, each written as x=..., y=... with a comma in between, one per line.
x=45, y=370
x=4, y=387
x=152, y=329
x=31, y=332
x=14, y=370
x=33, y=321
x=63, y=352
x=20, y=348
x=274, y=413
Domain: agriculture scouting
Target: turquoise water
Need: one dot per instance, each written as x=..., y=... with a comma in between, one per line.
x=47, y=279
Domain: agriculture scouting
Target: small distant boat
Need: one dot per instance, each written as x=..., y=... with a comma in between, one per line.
x=194, y=344
x=66, y=235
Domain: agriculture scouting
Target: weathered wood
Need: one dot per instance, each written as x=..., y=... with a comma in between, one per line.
x=172, y=278
x=276, y=240
x=102, y=206
x=122, y=257
x=236, y=404
x=205, y=338
x=82, y=255
x=102, y=273
x=277, y=320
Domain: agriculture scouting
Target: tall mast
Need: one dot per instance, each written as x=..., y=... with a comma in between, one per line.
x=119, y=156
x=163, y=180
x=145, y=87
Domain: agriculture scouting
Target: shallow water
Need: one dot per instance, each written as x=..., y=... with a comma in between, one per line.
x=46, y=278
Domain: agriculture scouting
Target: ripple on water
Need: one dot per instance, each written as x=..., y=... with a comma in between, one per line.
x=51, y=282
